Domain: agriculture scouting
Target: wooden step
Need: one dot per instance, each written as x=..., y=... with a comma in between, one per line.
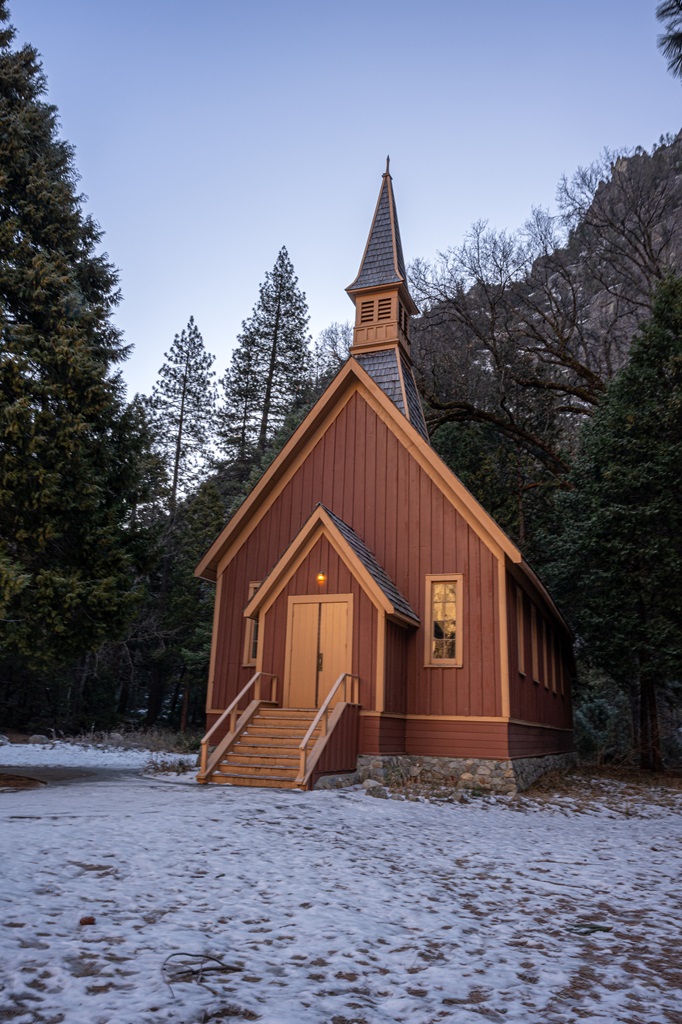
x=257, y=771
x=288, y=758
x=283, y=723
x=253, y=780
x=263, y=751
x=267, y=752
x=292, y=715
x=266, y=734
x=274, y=769
x=266, y=755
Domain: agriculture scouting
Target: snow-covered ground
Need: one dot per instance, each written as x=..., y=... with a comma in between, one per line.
x=331, y=907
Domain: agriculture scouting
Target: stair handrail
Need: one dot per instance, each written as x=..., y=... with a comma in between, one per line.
x=323, y=716
x=231, y=713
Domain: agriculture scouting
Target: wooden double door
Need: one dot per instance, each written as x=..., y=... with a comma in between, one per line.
x=318, y=647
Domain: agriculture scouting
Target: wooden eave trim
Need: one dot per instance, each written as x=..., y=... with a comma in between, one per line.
x=403, y=620
x=320, y=525
x=471, y=510
x=371, y=290
x=320, y=416
x=379, y=346
x=522, y=573
x=351, y=378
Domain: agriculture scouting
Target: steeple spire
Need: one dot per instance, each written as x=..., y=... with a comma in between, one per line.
x=383, y=308
x=383, y=262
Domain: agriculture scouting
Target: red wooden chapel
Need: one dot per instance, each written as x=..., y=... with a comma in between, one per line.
x=370, y=615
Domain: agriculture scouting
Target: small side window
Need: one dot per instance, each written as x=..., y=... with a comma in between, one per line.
x=443, y=640
x=251, y=637
x=535, y=644
x=520, y=639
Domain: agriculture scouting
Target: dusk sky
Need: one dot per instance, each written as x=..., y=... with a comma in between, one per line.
x=208, y=135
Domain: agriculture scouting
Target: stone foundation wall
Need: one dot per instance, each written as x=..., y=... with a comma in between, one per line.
x=480, y=774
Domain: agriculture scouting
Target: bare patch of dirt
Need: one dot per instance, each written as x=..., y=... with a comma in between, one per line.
x=618, y=788
x=14, y=783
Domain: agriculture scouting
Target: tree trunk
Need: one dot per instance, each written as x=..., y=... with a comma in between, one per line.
x=185, y=708
x=157, y=691
x=178, y=444
x=650, y=736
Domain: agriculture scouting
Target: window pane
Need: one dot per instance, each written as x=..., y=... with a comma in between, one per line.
x=444, y=619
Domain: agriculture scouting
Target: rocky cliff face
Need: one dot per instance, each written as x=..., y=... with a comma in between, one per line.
x=523, y=332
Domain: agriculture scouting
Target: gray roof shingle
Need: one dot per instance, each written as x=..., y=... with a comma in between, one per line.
x=379, y=264
x=374, y=569
x=382, y=366
x=415, y=412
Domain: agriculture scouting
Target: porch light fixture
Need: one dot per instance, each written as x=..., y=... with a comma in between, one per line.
x=321, y=577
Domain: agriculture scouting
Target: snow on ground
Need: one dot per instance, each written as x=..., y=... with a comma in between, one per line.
x=81, y=755
x=331, y=907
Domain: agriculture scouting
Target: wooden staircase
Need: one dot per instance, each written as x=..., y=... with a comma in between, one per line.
x=267, y=752
x=282, y=748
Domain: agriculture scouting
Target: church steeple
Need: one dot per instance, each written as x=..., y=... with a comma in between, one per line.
x=382, y=300
x=383, y=308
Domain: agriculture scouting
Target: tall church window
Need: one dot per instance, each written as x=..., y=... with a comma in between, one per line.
x=444, y=619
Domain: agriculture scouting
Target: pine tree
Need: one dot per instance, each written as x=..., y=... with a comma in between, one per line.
x=670, y=42
x=239, y=418
x=270, y=368
x=183, y=403
x=620, y=568
x=331, y=352
x=69, y=450
x=190, y=604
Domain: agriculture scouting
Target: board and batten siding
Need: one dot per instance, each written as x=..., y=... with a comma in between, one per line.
x=396, y=668
x=363, y=473
x=542, y=695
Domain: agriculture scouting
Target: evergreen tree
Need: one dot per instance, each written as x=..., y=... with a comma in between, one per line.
x=183, y=402
x=670, y=42
x=270, y=368
x=183, y=406
x=620, y=568
x=70, y=449
x=189, y=619
x=238, y=419
x=331, y=352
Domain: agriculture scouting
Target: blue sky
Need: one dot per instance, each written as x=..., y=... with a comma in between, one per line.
x=209, y=135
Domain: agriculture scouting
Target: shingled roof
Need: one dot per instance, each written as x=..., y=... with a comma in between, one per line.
x=385, y=368
x=383, y=261
x=383, y=581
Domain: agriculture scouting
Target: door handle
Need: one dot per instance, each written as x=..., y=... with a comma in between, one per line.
x=320, y=660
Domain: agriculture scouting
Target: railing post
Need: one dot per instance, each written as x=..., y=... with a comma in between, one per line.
x=273, y=689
